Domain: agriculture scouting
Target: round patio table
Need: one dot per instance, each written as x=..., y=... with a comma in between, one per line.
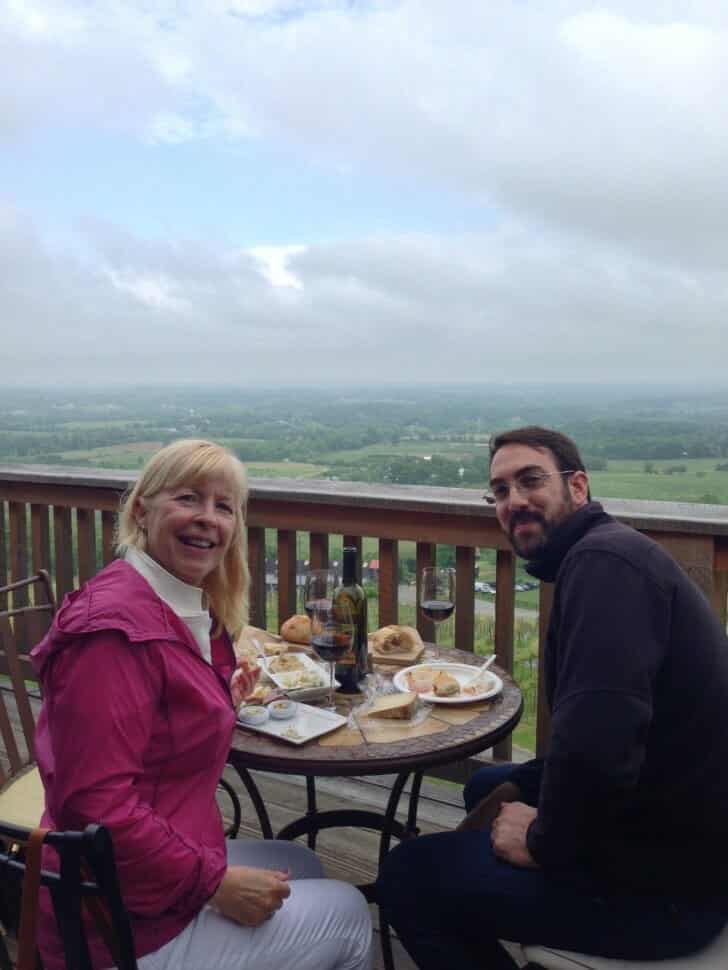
x=449, y=733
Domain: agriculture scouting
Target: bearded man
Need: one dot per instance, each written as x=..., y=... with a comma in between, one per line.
x=616, y=843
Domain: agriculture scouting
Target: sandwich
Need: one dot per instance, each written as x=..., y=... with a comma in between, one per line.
x=445, y=685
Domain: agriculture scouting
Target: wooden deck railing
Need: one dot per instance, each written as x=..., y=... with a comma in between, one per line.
x=62, y=519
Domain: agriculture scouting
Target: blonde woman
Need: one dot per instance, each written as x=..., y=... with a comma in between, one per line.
x=140, y=689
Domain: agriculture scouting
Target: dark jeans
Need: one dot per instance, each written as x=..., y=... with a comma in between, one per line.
x=451, y=900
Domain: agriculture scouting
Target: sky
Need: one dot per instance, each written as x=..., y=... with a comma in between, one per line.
x=372, y=191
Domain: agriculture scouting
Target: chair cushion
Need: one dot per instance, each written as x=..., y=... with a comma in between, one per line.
x=22, y=799
x=712, y=957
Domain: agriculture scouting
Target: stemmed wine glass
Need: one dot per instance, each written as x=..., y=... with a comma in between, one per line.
x=332, y=629
x=318, y=588
x=437, y=592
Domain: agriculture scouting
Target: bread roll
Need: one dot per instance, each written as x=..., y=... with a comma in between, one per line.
x=396, y=639
x=297, y=629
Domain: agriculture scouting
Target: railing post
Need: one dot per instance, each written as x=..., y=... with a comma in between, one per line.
x=286, y=574
x=86, y=535
x=464, y=597
x=388, y=581
x=108, y=531
x=425, y=557
x=4, y=578
x=256, y=565
x=40, y=537
x=505, y=574
x=543, y=718
x=63, y=549
x=319, y=550
x=19, y=549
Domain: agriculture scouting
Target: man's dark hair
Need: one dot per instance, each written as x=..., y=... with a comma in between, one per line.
x=566, y=454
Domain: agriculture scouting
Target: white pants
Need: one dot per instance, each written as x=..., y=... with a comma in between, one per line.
x=322, y=925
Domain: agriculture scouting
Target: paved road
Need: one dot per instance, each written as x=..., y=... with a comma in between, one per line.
x=407, y=595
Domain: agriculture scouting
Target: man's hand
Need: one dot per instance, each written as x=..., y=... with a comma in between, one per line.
x=480, y=818
x=508, y=834
x=243, y=681
x=251, y=896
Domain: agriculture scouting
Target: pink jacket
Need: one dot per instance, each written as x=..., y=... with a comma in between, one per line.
x=134, y=732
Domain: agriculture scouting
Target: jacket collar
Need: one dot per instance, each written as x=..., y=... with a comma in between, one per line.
x=546, y=565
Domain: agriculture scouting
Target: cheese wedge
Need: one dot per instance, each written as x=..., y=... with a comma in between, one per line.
x=394, y=705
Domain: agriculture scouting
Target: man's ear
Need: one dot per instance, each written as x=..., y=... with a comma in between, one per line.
x=579, y=488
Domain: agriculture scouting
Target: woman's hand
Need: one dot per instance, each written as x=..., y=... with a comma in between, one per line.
x=243, y=680
x=251, y=896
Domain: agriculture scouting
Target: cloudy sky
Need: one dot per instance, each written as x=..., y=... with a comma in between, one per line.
x=319, y=190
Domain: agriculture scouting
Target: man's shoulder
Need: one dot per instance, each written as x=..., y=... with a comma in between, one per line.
x=622, y=543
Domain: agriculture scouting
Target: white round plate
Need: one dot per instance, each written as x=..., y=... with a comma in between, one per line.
x=462, y=673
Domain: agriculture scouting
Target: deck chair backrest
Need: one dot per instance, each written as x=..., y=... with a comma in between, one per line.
x=84, y=891
x=30, y=605
x=20, y=629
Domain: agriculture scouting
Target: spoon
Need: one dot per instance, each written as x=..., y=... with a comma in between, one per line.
x=479, y=671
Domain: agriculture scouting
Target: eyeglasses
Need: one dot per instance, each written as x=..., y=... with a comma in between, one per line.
x=524, y=484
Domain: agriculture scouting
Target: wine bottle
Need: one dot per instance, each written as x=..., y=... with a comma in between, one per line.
x=352, y=667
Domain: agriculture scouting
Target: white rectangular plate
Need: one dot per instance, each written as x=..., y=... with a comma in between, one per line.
x=287, y=680
x=491, y=683
x=307, y=724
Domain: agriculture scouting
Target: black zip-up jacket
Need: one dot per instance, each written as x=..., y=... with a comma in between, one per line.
x=634, y=786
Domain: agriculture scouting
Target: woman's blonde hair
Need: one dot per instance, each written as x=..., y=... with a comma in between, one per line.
x=188, y=462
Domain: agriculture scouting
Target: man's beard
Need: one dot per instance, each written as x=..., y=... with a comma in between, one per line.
x=531, y=545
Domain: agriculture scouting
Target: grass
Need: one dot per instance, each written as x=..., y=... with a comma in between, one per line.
x=700, y=482
x=284, y=469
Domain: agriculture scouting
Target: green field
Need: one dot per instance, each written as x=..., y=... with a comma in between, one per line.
x=700, y=482
x=676, y=480
x=284, y=469
x=419, y=449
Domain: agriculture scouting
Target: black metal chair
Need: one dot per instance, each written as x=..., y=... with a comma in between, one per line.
x=225, y=788
x=85, y=883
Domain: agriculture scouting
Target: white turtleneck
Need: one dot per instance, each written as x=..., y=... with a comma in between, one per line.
x=185, y=600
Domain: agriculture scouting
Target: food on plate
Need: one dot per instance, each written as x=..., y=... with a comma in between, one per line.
x=421, y=679
x=284, y=662
x=282, y=709
x=274, y=649
x=292, y=734
x=253, y=714
x=396, y=639
x=261, y=693
x=297, y=629
x=445, y=685
x=480, y=684
x=296, y=679
x=394, y=705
